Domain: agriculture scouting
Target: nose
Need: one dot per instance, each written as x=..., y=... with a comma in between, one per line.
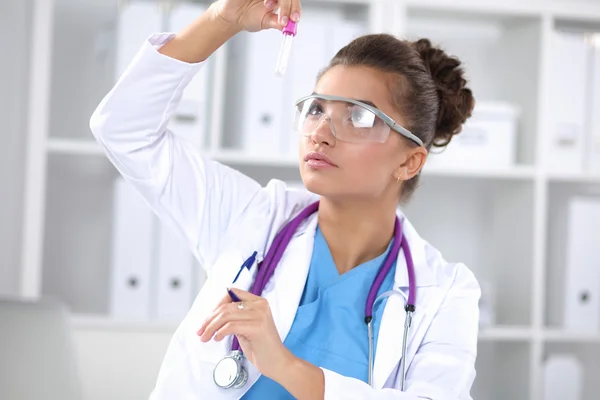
x=323, y=133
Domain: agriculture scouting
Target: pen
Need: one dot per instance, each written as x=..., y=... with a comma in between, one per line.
x=233, y=296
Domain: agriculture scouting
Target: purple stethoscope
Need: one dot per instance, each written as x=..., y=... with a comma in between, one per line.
x=229, y=371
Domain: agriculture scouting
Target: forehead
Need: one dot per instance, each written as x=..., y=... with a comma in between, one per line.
x=359, y=83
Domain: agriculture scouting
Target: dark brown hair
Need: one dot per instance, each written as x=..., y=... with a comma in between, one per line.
x=427, y=86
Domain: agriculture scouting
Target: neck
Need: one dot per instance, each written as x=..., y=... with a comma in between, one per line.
x=357, y=231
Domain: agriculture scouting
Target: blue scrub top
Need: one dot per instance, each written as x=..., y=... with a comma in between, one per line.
x=329, y=329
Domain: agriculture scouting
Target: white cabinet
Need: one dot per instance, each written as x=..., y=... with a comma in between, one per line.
x=506, y=224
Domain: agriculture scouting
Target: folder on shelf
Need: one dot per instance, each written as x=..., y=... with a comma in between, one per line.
x=190, y=118
x=567, y=102
x=582, y=275
x=174, y=272
x=137, y=20
x=132, y=251
x=262, y=92
x=593, y=144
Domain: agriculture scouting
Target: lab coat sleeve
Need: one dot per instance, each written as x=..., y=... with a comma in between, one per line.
x=444, y=365
x=197, y=197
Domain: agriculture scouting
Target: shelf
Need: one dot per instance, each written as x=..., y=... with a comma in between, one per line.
x=565, y=336
x=517, y=172
x=524, y=8
x=239, y=158
x=568, y=177
x=505, y=333
x=74, y=146
x=582, y=10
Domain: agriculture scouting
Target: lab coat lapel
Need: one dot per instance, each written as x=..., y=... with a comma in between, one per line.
x=285, y=288
x=283, y=292
x=390, y=337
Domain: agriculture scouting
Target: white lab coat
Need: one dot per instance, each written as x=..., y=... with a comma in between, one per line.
x=225, y=216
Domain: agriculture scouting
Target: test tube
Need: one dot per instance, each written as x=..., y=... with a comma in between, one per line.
x=286, y=46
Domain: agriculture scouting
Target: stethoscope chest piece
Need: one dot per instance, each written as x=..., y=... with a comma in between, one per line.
x=229, y=372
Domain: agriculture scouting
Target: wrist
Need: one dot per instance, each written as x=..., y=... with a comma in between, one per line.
x=300, y=378
x=199, y=40
x=228, y=28
x=286, y=363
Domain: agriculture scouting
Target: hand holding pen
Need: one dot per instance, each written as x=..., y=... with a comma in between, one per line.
x=249, y=317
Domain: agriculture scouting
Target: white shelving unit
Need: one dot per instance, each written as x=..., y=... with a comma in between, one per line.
x=500, y=222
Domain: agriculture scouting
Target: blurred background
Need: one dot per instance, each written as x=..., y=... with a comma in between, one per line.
x=516, y=196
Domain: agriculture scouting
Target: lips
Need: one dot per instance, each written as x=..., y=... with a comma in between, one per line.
x=317, y=157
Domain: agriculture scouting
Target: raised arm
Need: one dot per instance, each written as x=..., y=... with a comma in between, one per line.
x=199, y=198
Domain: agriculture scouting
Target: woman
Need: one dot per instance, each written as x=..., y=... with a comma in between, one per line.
x=364, y=136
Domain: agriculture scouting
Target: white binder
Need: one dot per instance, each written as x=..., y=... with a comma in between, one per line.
x=262, y=92
x=132, y=248
x=189, y=120
x=175, y=285
x=593, y=144
x=582, y=277
x=137, y=20
x=566, y=137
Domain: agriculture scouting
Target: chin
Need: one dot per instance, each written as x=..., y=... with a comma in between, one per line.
x=322, y=186
x=317, y=184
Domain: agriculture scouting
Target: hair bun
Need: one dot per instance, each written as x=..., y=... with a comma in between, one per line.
x=456, y=100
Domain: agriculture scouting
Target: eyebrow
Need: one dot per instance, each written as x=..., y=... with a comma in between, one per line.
x=362, y=101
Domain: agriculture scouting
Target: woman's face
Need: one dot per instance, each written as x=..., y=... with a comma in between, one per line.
x=365, y=170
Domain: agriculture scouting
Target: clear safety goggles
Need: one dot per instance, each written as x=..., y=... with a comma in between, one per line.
x=349, y=120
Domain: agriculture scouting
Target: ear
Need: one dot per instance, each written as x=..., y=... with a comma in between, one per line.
x=413, y=163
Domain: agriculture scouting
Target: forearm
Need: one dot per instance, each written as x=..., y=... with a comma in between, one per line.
x=302, y=379
x=200, y=39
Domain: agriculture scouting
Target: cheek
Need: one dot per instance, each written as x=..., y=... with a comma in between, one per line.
x=370, y=162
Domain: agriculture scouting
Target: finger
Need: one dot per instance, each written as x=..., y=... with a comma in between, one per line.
x=225, y=300
x=295, y=11
x=271, y=4
x=239, y=328
x=270, y=21
x=227, y=313
x=285, y=6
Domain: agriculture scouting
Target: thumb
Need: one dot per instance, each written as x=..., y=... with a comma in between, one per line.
x=271, y=21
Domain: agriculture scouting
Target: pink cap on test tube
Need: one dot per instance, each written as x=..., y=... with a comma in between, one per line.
x=290, y=28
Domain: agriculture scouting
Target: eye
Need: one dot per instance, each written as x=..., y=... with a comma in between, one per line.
x=315, y=109
x=362, y=118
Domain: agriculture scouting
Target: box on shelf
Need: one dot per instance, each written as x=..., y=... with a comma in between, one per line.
x=488, y=139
